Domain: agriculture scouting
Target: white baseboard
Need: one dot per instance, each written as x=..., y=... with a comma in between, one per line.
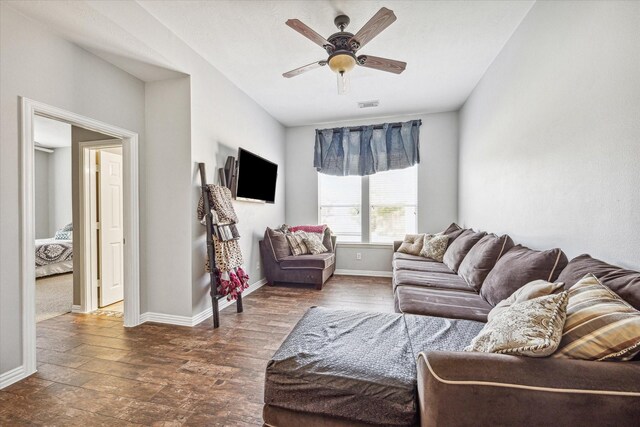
x=372, y=273
x=172, y=319
x=12, y=376
x=76, y=309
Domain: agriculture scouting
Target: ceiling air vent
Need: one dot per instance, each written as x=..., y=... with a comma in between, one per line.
x=368, y=104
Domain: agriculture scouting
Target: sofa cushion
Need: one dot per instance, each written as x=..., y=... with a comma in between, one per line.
x=319, y=261
x=441, y=303
x=527, y=328
x=434, y=246
x=278, y=243
x=600, y=325
x=453, y=232
x=460, y=248
x=519, y=266
x=400, y=255
x=535, y=289
x=625, y=283
x=432, y=267
x=430, y=280
x=412, y=244
x=326, y=239
x=482, y=257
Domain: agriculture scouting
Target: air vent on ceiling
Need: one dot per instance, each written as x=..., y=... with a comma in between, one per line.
x=368, y=104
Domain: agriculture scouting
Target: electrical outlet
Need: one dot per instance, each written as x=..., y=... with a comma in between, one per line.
x=359, y=256
x=257, y=266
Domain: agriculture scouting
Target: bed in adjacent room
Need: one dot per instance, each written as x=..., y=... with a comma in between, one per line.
x=53, y=256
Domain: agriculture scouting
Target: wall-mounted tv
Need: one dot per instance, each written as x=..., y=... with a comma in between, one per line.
x=256, y=178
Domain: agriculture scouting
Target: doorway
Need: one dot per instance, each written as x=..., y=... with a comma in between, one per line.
x=130, y=219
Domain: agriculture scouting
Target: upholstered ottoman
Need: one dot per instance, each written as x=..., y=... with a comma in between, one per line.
x=340, y=367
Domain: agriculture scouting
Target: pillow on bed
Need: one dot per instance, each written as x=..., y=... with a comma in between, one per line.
x=65, y=233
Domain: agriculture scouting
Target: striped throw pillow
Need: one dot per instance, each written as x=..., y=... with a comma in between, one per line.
x=296, y=243
x=600, y=325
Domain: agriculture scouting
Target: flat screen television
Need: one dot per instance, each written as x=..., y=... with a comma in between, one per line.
x=256, y=179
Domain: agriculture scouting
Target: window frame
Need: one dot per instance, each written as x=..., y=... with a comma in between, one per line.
x=365, y=209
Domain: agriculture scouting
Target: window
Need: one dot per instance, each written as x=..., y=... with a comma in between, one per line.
x=379, y=208
x=340, y=205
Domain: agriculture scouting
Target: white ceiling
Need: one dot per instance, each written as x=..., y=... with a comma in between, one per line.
x=51, y=133
x=448, y=46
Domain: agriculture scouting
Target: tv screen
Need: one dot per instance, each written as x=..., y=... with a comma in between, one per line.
x=256, y=177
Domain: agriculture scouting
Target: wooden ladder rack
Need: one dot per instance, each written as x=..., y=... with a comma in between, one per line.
x=211, y=252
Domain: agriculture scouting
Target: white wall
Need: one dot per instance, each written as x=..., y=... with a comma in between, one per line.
x=165, y=265
x=550, y=137
x=437, y=182
x=46, y=68
x=41, y=193
x=60, y=203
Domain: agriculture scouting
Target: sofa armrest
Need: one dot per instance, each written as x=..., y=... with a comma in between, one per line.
x=463, y=388
x=396, y=245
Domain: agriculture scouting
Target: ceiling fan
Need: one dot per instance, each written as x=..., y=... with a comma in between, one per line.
x=342, y=47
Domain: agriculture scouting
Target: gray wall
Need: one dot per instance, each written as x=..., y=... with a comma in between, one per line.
x=41, y=190
x=437, y=183
x=58, y=73
x=52, y=175
x=60, y=203
x=550, y=137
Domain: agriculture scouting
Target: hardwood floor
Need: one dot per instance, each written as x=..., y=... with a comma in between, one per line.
x=94, y=372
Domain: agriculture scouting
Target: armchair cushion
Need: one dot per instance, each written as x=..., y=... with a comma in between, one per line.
x=278, y=243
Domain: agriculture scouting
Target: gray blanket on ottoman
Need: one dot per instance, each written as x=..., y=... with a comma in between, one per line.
x=358, y=365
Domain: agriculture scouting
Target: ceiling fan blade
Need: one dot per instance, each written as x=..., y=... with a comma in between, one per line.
x=303, y=69
x=382, y=64
x=303, y=29
x=381, y=20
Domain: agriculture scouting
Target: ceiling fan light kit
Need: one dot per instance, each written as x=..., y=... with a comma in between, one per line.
x=342, y=47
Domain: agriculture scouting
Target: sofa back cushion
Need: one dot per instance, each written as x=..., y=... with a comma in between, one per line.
x=625, y=283
x=453, y=232
x=278, y=243
x=460, y=248
x=519, y=266
x=482, y=257
x=327, y=242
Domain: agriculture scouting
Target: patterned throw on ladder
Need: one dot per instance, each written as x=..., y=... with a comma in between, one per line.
x=231, y=277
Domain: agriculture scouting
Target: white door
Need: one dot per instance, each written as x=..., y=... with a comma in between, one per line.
x=111, y=229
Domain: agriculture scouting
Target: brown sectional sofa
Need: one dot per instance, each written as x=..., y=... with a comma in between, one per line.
x=280, y=266
x=332, y=363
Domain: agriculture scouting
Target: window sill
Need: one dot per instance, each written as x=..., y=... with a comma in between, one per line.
x=364, y=245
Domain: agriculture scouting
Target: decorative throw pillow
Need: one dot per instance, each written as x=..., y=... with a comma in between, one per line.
x=529, y=328
x=65, y=233
x=600, y=325
x=279, y=243
x=434, y=246
x=296, y=243
x=314, y=244
x=412, y=244
x=535, y=289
